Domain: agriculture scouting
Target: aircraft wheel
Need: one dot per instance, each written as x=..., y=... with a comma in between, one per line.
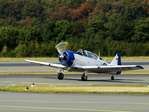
x=112, y=77
x=84, y=77
x=60, y=76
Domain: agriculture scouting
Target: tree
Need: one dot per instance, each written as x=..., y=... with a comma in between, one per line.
x=47, y=32
x=141, y=31
x=32, y=8
x=62, y=30
x=81, y=12
x=8, y=36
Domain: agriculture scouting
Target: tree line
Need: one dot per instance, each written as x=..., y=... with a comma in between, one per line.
x=32, y=28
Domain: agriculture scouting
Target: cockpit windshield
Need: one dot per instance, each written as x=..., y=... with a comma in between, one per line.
x=87, y=54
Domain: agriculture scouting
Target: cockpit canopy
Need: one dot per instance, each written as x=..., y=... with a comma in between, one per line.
x=87, y=54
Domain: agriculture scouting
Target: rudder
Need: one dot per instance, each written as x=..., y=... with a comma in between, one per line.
x=116, y=61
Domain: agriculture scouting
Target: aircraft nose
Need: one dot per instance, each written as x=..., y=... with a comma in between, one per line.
x=66, y=58
x=61, y=56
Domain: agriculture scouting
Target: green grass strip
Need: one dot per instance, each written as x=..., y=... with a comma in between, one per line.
x=2, y=59
x=9, y=59
x=90, y=89
x=135, y=72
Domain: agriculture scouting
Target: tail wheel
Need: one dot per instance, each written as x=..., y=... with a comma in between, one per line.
x=112, y=77
x=84, y=77
x=60, y=76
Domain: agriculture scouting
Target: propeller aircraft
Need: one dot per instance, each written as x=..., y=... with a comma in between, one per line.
x=85, y=61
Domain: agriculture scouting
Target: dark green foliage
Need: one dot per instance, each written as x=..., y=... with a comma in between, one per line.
x=33, y=27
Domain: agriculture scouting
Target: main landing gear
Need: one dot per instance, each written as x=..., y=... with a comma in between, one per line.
x=84, y=76
x=60, y=76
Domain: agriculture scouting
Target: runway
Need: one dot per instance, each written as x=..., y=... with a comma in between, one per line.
x=37, y=102
x=29, y=67
x=73, y=79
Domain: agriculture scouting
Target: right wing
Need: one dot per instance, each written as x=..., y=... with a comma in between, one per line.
x=46, y=64
x=106, y=69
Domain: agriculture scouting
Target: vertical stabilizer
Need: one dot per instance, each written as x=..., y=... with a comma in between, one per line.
x=116, y=61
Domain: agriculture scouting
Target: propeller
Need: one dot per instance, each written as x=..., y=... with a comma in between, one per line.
x=61, y=47
x=99, y=55
x=63, y=57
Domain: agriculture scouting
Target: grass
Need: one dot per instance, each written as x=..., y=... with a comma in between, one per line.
x=135, y=72
x=3, y=59
x=128, y=58
x=98, y=89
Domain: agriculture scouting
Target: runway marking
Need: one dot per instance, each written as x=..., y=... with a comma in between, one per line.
x=76, y=102
x=53, y=108
x=118, y=103
x=24, y=82
x=36, y=83
x=6, y=81
x=22, y=101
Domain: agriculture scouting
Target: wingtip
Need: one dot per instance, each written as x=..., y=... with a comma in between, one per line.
x=25, y=60
x=139, y=66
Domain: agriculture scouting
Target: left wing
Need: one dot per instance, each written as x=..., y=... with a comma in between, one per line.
x=46, y=64
x=106, y=69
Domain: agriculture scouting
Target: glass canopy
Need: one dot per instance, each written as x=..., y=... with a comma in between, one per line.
x=87, y=54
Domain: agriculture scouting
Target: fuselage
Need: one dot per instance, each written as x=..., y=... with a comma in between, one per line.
x=75, y=60
x=80, y=60
x=87, y=61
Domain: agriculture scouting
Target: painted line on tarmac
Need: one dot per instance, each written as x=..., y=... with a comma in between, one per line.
x=6, y=81
x=24, y=82
x=22, y=101
x=35, y=83
x=75, y=102
x=53, y=108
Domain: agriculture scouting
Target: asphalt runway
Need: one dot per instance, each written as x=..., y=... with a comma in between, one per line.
x=97, y=79
x=29, y=67
x=43, y=102
x=72, y=79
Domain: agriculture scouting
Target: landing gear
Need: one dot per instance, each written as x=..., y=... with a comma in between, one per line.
x=112, y=77
x=84, y=77
x=60, y=76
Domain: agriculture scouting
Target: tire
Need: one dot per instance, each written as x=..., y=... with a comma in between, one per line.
x=112, y=77
x=83, y=77
x=60, y=76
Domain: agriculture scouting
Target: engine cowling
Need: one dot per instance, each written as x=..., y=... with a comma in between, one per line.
x=66, y=58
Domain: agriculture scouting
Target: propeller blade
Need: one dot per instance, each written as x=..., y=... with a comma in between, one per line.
x=61, y=46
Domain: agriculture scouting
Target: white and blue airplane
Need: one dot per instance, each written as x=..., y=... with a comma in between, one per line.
x=85, y=61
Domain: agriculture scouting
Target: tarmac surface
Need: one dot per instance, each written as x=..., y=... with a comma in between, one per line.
x=29, y=67
x=73, y=79
x=45, y=102
x=42, y=102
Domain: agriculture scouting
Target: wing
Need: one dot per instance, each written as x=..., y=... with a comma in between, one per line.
x=46, y=64
x=106, y=69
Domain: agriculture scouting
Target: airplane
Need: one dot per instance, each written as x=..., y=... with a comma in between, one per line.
x=85, y=61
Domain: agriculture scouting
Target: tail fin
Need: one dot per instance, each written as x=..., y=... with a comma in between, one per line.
x=116, y=61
